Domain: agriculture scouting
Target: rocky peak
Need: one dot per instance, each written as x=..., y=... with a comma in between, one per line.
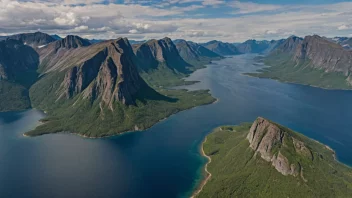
x=279, y=146
x=324, y=54
x=290, y=44
x=33, y=39
x=110, y=75
x=155, y=52
x=71, y=41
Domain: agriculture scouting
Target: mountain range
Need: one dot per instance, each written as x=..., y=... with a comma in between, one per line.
x=117, y=87
x=93, y=90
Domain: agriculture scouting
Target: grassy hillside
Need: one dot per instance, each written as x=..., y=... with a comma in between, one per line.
x=13, y=96
x=282, y=68
x=237, y=172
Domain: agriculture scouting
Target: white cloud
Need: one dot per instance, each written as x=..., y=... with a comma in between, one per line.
x=344, y=27
x=188, y=19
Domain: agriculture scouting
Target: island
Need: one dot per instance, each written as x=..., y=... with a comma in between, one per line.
x=265, y=159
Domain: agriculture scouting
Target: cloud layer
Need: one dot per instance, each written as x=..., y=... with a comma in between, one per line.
x=198, y=20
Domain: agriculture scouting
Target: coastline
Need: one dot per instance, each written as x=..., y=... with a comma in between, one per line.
x=208, y=174
x=123, y=132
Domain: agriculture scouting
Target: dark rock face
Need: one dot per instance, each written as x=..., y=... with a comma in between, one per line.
x=221, y=48
x=154, y=53
x=110, y=74
x=191, y=52
x=33, y=39
x=18, y=62
x=272, y=141
x=324, y=55
x=71, y=41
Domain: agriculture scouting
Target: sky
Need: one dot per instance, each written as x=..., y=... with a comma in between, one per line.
x=196, y=20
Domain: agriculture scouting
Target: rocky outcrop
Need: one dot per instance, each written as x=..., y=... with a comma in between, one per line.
x=221, y=48
x=277, y=145
x=154, y=53
x=33, y=39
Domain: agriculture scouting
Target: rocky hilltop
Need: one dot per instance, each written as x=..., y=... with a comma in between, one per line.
x=194, y=53
x=18, y=65
x=222, y=48
x=270, y=140
x=37, y=39
x=265, y=159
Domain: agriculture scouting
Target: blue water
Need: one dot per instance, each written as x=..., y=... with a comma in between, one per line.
x=164, y=161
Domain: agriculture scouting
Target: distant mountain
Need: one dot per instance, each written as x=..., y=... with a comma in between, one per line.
x=313, y=60
x=265, y=159
x=36, y=39
x=93, y=41
x=56, y=37
x=160, y=63
x=3, y=38
x=194, y=53
x=221, y=48
x=345, y=42
x=18, y=65
x=254, y=46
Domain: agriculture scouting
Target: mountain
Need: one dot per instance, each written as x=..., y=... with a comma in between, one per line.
x=313, y=60
x=18, y=65
x=96, y=90
x=195, y=54
x=36, y=39
x=345, y=42
x=221, y=48
x=252, y=46
x=160, y=63
x=261, y=47
x=3, y=38
x=56, y=37
x=265, y=159
x=93, y=41
x=137, y=42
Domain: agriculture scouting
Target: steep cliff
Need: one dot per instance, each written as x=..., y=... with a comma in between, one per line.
x=265, y=159
x=273, y=143
x=195, y=54
x=18, y=65
x=221, y=48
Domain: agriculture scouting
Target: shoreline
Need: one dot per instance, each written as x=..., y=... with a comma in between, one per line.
x=120, y=133
x=208, y=174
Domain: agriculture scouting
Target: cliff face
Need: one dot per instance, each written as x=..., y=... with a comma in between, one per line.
x=193, y=52
x=110, y=74
x=33, y=39
x=221, y=48
x=324, y=55
x=154, y=53
x=276, y=145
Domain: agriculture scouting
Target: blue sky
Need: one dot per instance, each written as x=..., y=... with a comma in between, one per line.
x=197, y=20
